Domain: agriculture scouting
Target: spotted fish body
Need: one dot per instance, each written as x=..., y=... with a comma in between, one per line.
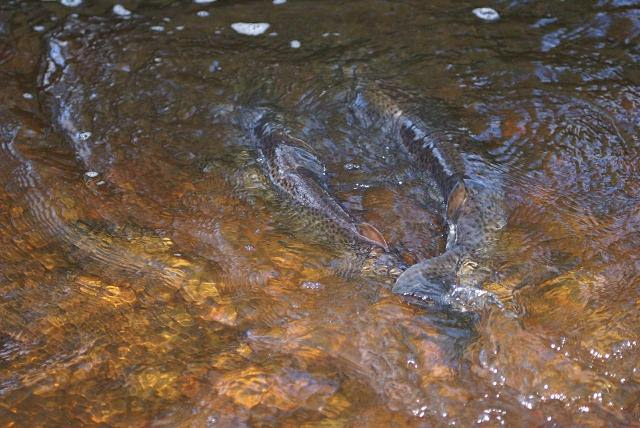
x=299, y=175
x=474, y=205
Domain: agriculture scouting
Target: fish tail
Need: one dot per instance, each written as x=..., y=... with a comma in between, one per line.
x=433, y=282
x=430, y=280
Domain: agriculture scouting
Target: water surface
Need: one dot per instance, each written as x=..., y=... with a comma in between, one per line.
x=149, y=277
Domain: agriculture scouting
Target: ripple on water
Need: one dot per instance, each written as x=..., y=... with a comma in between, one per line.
x=173, y=281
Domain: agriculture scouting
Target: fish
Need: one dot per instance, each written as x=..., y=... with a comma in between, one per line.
x=300, y=177
x=474, y=206
x=38, y=209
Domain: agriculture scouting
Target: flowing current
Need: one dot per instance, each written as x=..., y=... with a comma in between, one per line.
x=151, y=275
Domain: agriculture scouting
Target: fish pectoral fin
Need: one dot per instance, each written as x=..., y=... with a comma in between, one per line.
x=456, y=199
x=372, y=234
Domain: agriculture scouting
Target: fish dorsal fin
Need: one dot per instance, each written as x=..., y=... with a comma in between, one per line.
x=372, y=234
x=456, y=199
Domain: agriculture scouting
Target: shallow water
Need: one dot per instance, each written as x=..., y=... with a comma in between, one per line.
x=148, y=276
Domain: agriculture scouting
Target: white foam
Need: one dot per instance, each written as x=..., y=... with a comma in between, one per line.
x=84, y=136
x=250, y=28
x=214, y=66
x=38, y=28
x=71, y=3
x=486, y=13
x=295, y=44
x=279, y=1
x=158, y=28
x=56, y=51
x=311, y=285
x=91, y=174
x=203, y=1
x=202, y=13
x=121, y=10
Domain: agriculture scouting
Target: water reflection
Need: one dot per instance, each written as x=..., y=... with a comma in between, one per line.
x=148, y=276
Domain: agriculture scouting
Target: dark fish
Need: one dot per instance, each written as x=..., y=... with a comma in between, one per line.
x=42, y=213
x=300, y=176
x=474, y=205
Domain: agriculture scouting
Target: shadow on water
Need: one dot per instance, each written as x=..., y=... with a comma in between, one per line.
x=150, y=275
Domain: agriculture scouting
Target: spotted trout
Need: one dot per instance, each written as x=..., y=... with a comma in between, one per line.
x=473, y=197
x=299, y=176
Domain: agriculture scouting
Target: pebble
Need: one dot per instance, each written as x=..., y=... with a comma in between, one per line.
x=203, y=1
x=250, y=28
x=279, y=1
x=486, y=13
x=295, y=44
x=202, y=13
x=38, y=28
x=91, y=174
x=158, y=28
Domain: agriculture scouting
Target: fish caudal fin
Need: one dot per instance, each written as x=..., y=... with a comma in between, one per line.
x=428, y=281
x=372, y=235
x=433, y=282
